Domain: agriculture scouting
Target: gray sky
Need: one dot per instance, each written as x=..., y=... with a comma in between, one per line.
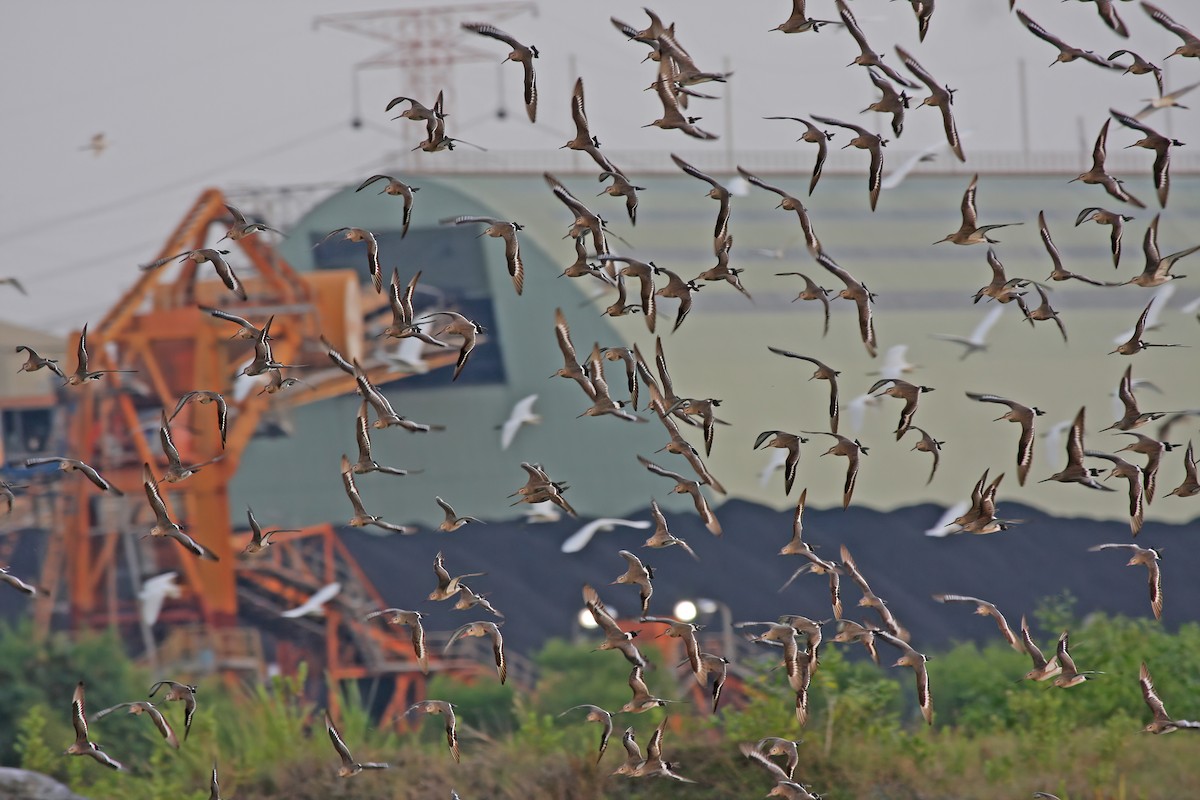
x=236, y=94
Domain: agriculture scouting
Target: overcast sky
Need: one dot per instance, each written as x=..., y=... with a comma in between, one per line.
x=236, y=94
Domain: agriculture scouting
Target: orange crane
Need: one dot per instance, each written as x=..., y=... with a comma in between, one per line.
x=157, y=329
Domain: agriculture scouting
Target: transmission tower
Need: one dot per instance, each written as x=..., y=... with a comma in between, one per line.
x=423, y=43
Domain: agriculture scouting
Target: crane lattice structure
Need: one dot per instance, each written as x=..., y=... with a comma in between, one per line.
x=423, y=43
x=96, y=553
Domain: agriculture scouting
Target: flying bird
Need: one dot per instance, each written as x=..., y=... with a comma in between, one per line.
x=395, y=188
x=522, y=54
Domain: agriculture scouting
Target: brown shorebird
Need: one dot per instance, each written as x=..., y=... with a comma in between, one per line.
x=867, y=57
x=638, y=574
x=596, y=389
x=662, y=536
x=247, y=331
x=911, y=658
x=849, y=631
x=985, y=609
x=1043, y=311
x=813, y=135
x=18, y=584
x=1133, y=417
x=677, y=288
x=210, y=255
x=971, y=232
x=82, y=374
x=799, y=22
x=1158, y=267
x=164, y=526
x=241, y=227
x=1075, y=471
x=349, y=767
x=362, y=235
x=686, y=632
x=941, y=97
x=361, y=518
x=719, y=193
x=1162, y=722
x=416, y=111
x=642, y=700
x=1161, y=145
x=453, y=522
x=1043, y=669
x=813, y=292
x=403, y=323
x=644, y=272
x=501, y=229
x=1070, y=675
x=1022, y=415
x=447, y=711
x=862, y=297
x=1001, y=288
x=775, y=746
x=784, y=786
x=1153, y=449
x=789, y=203
x=871, y=600
x=596, y=714
x=1191, y=483
x=1140, y=66
x=412, y=619
x=1133, y=474
x=83, y=746
x=654, y=765
x=1147, y=557
x=908, y=392
x=892, y=102
x=1135, y=344
x=584, y=140
x=852, y=449
x=673, y=117
x=1191, y=43
x=183, y=693
x=614, y=637
x=540, y=488
x=142, y=707
x=872, y=143
x=1099, y=175
x=572, y=368
x=459, y=325
x=1061, y=274
x=34, y=362
x=260, y=540
x=366, y=461
x=786, y=441
x=447, y=586
x=1105, y=217
x=928, y=444
x=395, y=188
x=75, y=465
x=621, y=186
x=204, y=398
x=214, y=788
x=468, y=599
x=176, y=470
x=491, y=631
x=1066, y=53
x=521, y=54
x=586, y=221
x=685, y=485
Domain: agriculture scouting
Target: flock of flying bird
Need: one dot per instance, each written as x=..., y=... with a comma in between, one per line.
x=796, y=638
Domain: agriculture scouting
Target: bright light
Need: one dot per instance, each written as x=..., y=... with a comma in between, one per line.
x=707, y=606
x=685, y=611
x=586, y=620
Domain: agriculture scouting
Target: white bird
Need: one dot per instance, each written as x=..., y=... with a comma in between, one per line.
x=521, y=414
x=897, y=176
x=944, y=525
x=544, y=511
x=895, y=362
x=977, y=341
x=408, y=354
x=778, y=458
x=1157, y=304
x=856, y=410
x=153, y=592
x=1053, y=438
x=580, y=538
x=1192, y=307
x=314, y=604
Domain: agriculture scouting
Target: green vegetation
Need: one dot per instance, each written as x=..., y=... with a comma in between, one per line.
x=992, y=737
